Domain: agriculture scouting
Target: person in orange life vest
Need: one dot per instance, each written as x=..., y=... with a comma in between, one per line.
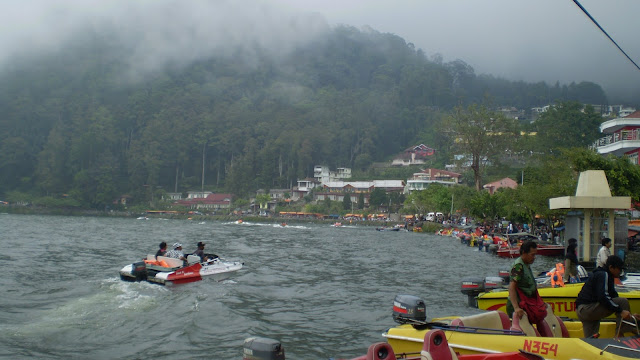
x=523, y=291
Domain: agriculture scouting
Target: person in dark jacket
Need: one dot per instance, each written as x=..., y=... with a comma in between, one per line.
x=599, y=299
x=163, y=249
x=571, y=261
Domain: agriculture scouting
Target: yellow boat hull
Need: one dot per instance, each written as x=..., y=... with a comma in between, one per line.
x=408, y=340
x=561, y=299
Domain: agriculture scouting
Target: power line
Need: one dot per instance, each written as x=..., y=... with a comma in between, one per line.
x=601, y=29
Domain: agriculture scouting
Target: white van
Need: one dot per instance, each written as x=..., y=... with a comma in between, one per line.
x=430, y=216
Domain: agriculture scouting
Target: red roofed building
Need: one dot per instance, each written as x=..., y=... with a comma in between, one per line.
x=623, y=137
x=413, y=155
x=210, y=202
x=502, y=183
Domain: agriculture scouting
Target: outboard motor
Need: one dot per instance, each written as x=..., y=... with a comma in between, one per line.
x=492, y=283
x=257, y=348
x=409, y=309
x=139, y=270
x=472, y=287
x=505, y=275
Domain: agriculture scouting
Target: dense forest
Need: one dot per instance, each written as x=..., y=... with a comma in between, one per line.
x=76, y=122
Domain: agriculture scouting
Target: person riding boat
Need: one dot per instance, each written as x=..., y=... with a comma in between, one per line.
x=571, y=261
x=599, y=299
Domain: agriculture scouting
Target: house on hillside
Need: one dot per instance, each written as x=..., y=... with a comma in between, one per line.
x=426, y=177
x=212, y=202
x=198, y=194
x=275, y=194
x=337, y=190
x=172, y=196
x=322, y=174
x=502, y=183
x=304, y=187
x=414, y=155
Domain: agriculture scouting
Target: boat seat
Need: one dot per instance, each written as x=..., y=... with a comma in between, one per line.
x=523, y=325
x=488, y=320
x=192, y=259
x=172, y=262
x=552, y=325
x=436, y=347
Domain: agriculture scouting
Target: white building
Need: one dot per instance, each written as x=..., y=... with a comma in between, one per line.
x=323, y=175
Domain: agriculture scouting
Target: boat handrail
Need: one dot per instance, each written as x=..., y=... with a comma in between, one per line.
x=618, y=347
x=469, y=329
x=479, y=330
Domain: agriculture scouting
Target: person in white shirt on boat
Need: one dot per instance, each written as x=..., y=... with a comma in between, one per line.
x=176, y=253
x=603, y=253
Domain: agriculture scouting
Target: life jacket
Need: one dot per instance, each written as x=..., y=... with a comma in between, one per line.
x=557, y=275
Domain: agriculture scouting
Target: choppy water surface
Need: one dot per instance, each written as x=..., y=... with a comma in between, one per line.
x=322, y=291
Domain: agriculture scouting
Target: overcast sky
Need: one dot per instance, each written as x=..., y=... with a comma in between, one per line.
x=529, y=40
x=534, y=40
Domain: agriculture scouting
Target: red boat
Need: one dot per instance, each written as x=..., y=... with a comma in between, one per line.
x=544, y=250
x=436, y=347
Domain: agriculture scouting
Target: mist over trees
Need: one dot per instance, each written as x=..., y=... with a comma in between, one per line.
x=72, y=123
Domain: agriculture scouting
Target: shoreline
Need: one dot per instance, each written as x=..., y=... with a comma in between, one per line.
x=429, y=228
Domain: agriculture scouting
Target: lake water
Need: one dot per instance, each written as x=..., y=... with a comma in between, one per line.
x=322, y=291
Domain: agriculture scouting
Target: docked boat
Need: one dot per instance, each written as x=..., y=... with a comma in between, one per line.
x=165, y=270
x=543, y=250
x=561, y=299
x=436, y=347
x=493, y=332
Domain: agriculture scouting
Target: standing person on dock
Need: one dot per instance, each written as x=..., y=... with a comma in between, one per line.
x=571, y=261
x=523, y=291
x=603, y=253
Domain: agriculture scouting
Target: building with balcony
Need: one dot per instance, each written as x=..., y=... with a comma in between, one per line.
x=426, y=177
x=622, y=137
x=323, y=175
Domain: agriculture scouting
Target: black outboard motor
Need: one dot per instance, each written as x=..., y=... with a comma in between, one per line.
x=257, y=348
x=409, y=309
x=139, y=270
x=472, y=287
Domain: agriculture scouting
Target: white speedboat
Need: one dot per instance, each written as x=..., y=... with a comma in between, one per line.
x=165, y=270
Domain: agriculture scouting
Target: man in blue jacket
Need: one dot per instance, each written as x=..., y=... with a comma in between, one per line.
x=599, y=299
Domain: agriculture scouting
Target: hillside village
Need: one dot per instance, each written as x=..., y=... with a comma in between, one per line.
x=335, y=184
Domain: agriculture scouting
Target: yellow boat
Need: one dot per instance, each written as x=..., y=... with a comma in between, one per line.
x=492, y=332
x=561, y=299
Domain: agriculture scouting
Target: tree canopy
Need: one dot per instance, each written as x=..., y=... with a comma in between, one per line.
x=72, y=124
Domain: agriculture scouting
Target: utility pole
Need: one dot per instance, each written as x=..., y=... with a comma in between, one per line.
x=451, y=216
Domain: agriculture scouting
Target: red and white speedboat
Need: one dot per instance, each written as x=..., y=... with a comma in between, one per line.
x=166, y=270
